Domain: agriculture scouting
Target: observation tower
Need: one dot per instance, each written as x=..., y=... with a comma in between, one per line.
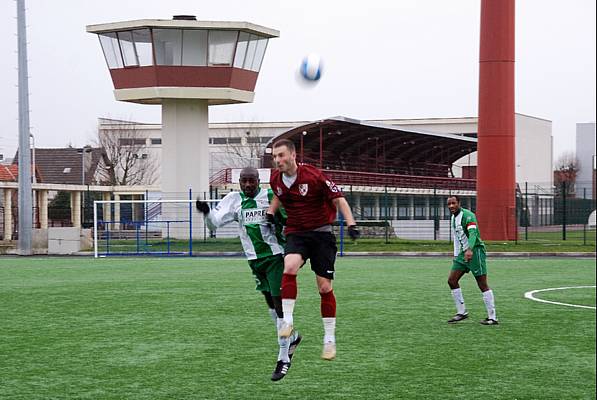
x=185, y=65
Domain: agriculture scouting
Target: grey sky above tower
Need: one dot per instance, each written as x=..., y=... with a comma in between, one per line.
x=407, y=59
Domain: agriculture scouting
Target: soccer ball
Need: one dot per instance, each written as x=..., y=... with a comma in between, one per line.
x=311, y=67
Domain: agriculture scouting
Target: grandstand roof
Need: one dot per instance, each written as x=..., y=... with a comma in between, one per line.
x=348, y=144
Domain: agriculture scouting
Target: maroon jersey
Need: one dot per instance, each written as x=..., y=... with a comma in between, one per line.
x=308, y=202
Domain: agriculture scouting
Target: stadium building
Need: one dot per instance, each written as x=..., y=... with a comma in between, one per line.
x=398, y=169
x=394, y=171
x=238, y=144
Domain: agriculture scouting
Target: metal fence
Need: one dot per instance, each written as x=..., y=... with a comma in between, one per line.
x=543, y=210
x=561, y=212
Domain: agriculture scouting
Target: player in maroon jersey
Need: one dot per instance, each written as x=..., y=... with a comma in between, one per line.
x=311, y=201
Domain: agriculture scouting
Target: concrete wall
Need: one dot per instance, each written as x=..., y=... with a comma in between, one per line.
x=64, y=240
x=39, y=240
x=421, y=229
x=534, y=150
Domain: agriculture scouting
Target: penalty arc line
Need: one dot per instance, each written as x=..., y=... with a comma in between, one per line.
x=530, y=296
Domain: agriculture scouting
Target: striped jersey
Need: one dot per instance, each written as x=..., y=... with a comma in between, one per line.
x=309, y=201
x=259, y=238
x=465, y=231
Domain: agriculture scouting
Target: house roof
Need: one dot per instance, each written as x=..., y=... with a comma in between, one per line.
x=10, y=173
x=65, y=165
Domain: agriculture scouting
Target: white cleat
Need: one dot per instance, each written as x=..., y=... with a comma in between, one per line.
x=329, y=351
x=285, y=330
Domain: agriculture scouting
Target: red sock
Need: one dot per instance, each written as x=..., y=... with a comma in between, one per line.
x=328, y=304
x=289, y=288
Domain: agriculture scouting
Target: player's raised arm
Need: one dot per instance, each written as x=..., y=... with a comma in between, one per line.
x=223, y=213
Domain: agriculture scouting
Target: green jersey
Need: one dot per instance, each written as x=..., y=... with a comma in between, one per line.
x=259, y=238
x=465, y=231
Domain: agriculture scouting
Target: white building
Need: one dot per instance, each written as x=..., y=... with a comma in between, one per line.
x=534, y=144
x=585, y=154
x=240, y=144
x=232, y=145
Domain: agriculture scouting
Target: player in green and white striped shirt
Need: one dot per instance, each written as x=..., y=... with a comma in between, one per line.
x=469, y=255
x=263, y=244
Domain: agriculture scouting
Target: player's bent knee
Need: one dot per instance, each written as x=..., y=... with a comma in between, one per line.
x=453, y=284
x=324, y=285
x=292, y=263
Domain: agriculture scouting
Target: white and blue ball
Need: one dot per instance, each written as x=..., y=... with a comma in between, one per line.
x=311, y=67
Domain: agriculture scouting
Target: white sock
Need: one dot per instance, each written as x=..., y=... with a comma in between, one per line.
x=284, y=345
x=489, y=304
x=273, y=314
x=288, y=309
x=329, y=330
x=458, y=301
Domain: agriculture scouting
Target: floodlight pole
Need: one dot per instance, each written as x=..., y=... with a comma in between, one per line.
x=25, y=191
x=84, y=149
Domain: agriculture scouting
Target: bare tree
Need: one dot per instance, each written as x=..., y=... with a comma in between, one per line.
x=240, y=148
x=126, y=159
x=566, y=170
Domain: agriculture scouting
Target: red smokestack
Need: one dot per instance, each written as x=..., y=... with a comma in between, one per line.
x=496, y=175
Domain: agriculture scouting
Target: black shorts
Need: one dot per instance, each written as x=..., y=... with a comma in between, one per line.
x=319, y=247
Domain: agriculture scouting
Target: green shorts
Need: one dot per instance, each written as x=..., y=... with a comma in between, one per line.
x=268, y=273
x=476, y=265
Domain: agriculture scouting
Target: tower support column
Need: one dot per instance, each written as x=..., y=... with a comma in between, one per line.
x=185, y=136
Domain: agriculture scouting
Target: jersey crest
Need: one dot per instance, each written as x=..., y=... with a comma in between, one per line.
x=279, y=191
x=303, y=189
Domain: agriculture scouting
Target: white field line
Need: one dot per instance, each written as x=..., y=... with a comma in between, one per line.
x=530, y=296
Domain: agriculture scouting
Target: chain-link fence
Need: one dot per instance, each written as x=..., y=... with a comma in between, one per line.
x=556, y=212
x=544, y=211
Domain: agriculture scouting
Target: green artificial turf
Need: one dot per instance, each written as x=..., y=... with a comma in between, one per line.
x=194, y=328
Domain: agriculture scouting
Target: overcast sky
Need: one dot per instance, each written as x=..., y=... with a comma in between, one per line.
x=383, y=59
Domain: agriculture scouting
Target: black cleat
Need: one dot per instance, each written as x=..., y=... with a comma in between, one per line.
x=293, y=345
x=281, y=370
x=489, y=321
x=458, y=318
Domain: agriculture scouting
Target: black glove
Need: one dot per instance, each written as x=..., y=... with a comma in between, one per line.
x=272, y=219
x=202, y=207
x=353, y=232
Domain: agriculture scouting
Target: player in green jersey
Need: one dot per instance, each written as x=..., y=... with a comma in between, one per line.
x=263, y=244
x=469, y=255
